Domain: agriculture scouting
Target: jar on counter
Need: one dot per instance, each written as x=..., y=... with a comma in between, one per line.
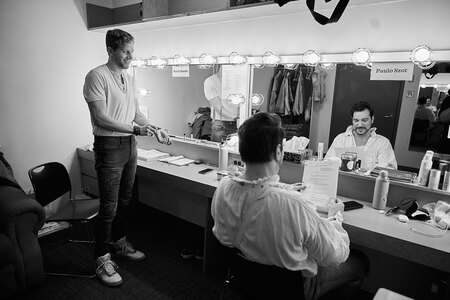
x=348, y=161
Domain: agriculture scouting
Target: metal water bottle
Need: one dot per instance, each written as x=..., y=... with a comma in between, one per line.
x=223, y=156
x=380, y=191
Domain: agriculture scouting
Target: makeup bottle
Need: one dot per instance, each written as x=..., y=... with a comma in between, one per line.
x=425, y=168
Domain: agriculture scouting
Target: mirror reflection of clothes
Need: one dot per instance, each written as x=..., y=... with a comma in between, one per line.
x=444, y=118
x=224, y=117
x=378, y=149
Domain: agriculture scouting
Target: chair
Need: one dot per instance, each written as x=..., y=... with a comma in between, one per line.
x=258, y=281
x=50, y=182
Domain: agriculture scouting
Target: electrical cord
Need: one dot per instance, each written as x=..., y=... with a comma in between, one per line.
x=441, y=232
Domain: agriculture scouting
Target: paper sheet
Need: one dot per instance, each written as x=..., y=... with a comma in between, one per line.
x=321, y=179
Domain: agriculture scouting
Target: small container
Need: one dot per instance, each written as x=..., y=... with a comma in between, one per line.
x=348, y=161
x=425, y=168
x=433, y=181
x=381, y=190
x=320, y=151
x=446, y=182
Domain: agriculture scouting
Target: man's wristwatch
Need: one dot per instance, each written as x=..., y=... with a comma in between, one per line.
x=136, y=130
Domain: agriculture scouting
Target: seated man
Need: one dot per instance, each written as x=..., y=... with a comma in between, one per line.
x=378, y=150
x=283, y=228
x=423, y=112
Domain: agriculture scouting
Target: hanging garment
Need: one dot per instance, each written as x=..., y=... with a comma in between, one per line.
x=318, y=85
x=308, y=110
x=276, y=85
x=297, y=108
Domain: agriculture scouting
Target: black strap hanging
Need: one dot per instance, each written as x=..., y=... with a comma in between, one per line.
x=337, y=13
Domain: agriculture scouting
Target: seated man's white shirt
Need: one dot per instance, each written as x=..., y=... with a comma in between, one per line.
x=285, y=229
x=378, y=149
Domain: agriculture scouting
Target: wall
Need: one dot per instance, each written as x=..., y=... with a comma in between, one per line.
x=46, y=53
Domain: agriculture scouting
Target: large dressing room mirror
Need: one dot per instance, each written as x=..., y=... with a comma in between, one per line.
x=427, y=131
x=323, y=113
x=183, y=100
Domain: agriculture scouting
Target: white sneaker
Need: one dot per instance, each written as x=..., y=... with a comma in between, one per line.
x=125, y=249
x=106, y=271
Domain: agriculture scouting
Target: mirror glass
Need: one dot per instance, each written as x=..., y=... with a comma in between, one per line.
x=426, y=132
x=327, y=115
x=182, y=100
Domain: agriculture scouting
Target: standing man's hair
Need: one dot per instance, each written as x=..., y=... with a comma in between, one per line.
x=361, y=106
x=259, y=137
x=118, y=37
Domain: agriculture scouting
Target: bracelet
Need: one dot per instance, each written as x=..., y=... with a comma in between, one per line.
x=136, y=130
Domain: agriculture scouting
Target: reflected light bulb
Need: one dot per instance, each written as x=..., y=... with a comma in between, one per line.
x=271, y=59
x=206, y=61
x=180, y=60
x=237, y=59
x=236, y=99
x=144, y=92
x=327, y=66
x=291, y=66
x=136, y=62
x=257, y=99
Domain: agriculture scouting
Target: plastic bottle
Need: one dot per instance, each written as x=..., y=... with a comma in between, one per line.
x=380, y=191
x=425, y=168
x=435, y=176
x=223, y=156
x=320, y=151
x=446, y=182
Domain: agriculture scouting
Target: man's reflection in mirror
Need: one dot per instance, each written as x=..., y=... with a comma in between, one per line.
x=224, y=116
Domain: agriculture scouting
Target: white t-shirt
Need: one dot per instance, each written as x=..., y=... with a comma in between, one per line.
x=100, y=85
x=378, y=149
x=212, y=88
x=285, y=229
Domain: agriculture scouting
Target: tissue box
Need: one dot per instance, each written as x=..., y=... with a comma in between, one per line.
x=298, y=157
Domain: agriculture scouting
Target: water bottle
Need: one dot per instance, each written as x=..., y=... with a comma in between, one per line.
x=223, y=156
x=380, y=192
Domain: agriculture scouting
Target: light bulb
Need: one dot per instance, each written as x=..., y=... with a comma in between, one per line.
x=271, y=59
x=258, y=66
x=158, y=63
x=236, y=100
x=257, y=99
x=206, y=61
x=180, y=60
x=237, y=59
x=137, y=62
x=311, y=58
x=143, y=92
x=327, y=66
x=422, y=56
x=361, y=57
x=291, y=66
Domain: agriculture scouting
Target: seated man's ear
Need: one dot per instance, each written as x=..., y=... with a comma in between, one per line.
x=279, y=153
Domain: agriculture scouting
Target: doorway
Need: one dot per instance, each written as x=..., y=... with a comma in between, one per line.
x=353, y=84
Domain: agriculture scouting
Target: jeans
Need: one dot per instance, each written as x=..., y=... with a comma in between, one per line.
x=115, y=163
x=341, y=282
x=221, y=129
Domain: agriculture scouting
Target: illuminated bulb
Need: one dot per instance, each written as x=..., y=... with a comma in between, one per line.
x=423, y=86
x=311, y=58
x=291, y=66
x=136, y=62
x=448, y=86
x=144, y=92
x=361, y=57
x=258, y=66
x=327, y=66
x=236, y=100
x=158, y=63
x=180, y=60
x=206, y=61
x=270, y=59
x=435, y=86
x=257, y=99
x=237, y=59
x=422, y=56
x=232, y=140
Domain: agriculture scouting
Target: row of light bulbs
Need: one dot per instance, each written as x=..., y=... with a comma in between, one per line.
x=421, y=56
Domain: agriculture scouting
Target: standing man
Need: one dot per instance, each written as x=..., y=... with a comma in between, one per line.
x=223, y=114
x=112, y=99
x=377, y=148
x=279, y=225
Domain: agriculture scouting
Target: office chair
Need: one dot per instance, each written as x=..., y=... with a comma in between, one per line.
x=50, y=182
x=258, y=281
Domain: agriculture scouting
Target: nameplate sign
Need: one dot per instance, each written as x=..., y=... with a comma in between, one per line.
x=392, y=71
x=180, y=71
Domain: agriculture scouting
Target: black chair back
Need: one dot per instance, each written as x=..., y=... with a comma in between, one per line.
x=50, y=181
x=258, y=281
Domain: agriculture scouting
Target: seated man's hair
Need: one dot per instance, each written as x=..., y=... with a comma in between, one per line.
x=361, y=106
x=118, y=37
x=422, y=100
x=259, y=137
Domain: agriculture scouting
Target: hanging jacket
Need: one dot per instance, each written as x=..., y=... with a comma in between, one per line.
x=277, y=80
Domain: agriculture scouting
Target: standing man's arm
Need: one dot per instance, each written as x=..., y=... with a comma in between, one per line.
x=161, y=135
x=101, y=119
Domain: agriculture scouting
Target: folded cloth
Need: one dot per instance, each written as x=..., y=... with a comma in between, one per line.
x=439, y=213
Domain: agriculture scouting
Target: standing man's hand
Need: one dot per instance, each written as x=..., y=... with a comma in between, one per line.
x=145, y=130
x=163, y=137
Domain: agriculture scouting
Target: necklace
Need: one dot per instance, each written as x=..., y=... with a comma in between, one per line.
x=119, y=79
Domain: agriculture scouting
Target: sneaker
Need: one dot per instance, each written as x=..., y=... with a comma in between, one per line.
x=106, y=271
x=125, y=249
x=187, y=253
